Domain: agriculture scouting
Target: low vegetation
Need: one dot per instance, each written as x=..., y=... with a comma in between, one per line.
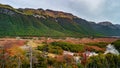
x=104, y=61
x=69, y=46
x=117, y=45
x=17, y=57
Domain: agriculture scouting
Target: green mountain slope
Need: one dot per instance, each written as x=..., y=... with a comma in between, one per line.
x=39, y=22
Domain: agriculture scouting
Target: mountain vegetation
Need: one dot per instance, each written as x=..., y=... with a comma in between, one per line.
x=39, y=22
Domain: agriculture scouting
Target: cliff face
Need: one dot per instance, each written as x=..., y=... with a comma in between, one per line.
x=47, y=12
x=39, y=22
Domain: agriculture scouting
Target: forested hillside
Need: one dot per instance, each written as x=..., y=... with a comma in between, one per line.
x=39, y=22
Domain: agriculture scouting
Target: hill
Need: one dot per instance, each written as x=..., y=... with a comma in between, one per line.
x=39, y=22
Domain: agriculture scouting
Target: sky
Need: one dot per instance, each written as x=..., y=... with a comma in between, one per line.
x=91, y=10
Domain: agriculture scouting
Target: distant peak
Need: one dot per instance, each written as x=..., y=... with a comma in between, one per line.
x=105, y=23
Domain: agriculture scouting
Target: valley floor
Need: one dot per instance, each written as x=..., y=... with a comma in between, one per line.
x=42, y=52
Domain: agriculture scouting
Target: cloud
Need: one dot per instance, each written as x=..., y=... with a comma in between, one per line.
x=91, y=5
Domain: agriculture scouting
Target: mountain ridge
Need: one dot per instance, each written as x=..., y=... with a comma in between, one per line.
x=39, y=22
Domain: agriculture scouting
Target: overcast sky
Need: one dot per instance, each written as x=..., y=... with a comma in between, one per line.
x=91, y=10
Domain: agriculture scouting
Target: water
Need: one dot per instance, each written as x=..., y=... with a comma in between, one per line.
x=111, y=49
